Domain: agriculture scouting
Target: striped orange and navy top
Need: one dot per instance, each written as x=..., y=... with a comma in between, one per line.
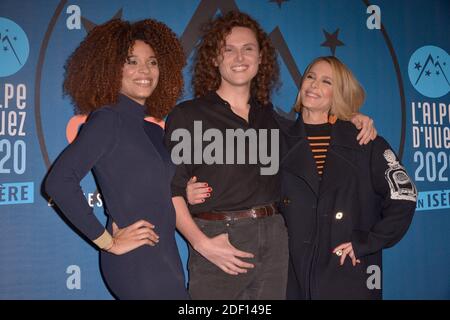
x=319, y=136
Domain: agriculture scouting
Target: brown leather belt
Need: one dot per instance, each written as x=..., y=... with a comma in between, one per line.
x=254, y=213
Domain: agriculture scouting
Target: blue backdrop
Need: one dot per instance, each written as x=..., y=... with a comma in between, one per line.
x=397, y=49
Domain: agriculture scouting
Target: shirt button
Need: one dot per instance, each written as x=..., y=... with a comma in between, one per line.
x=286, y=201
x=339, y=215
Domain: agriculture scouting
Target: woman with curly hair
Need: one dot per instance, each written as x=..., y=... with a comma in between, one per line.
x=119, y=74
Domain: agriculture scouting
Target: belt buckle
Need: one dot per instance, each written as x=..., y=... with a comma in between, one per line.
x=254, y=216
x=266, y=212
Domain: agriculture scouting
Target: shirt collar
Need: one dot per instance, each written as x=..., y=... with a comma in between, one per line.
x=130, y=107
x=215, y=98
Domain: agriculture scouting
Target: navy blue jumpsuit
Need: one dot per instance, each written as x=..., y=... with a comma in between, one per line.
x=133, y=172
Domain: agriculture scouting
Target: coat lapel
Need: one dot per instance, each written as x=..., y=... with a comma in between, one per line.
x=298, y=160
x=338, y=164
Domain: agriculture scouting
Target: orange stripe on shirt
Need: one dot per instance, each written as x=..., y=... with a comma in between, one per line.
x=319, y=144
x=320, y=138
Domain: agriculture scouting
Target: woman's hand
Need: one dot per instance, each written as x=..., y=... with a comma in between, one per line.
x=365, y=124
x=197, y=192
x=135, y=235
x=223, y=254
x=346, y=249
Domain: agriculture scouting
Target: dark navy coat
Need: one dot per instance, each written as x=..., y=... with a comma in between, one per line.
x=133, y=172
x=365, y=197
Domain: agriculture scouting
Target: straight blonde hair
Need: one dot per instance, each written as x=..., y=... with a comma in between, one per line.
x=348, y=94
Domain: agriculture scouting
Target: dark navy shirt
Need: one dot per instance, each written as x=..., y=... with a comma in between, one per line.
x=131, y=167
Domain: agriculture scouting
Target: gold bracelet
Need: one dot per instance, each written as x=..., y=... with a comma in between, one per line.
x=104, y=241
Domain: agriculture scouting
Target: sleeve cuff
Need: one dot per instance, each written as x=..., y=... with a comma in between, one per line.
x=360, y=243
x=104, y=241
x=179, y=192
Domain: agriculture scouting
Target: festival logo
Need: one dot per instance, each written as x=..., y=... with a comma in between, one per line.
x=14, y=47
x=429, y=71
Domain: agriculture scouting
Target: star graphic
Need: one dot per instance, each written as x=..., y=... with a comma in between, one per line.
x=15, y=38
x=332, y=41
x=278, y=2
x=438, y=73
x=444, y=63
x=427, y=73
x=5, y=48
x=418, y=65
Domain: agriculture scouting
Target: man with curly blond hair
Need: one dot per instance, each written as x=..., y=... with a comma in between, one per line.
x=119, y=74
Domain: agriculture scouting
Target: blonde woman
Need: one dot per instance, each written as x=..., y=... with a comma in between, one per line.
x=343, y=202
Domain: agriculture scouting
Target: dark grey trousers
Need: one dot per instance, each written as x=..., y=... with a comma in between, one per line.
x=266, y=238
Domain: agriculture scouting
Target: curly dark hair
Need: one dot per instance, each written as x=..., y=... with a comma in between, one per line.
x=93, y=75
x=206, y=76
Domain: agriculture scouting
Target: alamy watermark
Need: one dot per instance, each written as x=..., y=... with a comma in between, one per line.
x=237, y=145
x=374, y=280
x=73, y=281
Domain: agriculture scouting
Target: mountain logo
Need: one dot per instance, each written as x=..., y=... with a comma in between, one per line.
x=14, y=47
x=429, y=71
